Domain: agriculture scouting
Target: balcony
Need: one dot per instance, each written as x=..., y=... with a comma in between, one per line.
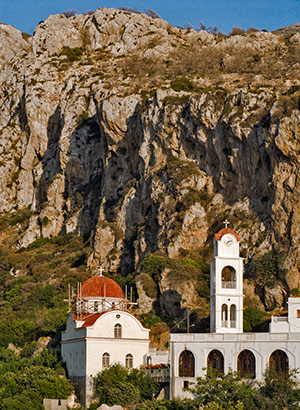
x=228, y=285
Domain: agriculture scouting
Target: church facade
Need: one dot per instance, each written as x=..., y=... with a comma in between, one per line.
x=226, y=346
x=101, y=332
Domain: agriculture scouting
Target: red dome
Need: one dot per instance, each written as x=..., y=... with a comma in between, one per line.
x=101, y=286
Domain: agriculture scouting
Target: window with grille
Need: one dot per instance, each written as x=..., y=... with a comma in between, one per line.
x=215, y=360
x=186, y=364
x=279, y=361
x=105, y=360
x=129, y=361
x=246, y=364
x=118, y=331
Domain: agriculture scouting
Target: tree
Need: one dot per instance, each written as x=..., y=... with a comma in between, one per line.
x=70, y=13
x=152, y=14
x=118, y=385
x=227, y=390
x=281, y=390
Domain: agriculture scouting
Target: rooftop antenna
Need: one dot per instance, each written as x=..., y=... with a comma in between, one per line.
x=131, y=294
x=226, y=223
x=126, y=292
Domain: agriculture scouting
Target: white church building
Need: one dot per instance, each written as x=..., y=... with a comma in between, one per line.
x=226, y=346
x=100, y=333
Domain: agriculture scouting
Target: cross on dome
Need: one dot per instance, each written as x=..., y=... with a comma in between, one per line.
x=226, y=223
x=100, y=271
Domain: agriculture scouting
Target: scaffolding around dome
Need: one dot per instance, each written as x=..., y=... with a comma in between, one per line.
x=98, y=294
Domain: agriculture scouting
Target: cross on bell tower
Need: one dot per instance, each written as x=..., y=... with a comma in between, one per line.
x=226, y=223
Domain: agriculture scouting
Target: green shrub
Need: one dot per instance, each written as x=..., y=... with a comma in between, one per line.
x=72, y=54
x=176, y=100
x=182, y=84
x=266, y=269
x=252, y=318
x=149, y=285
x=126, y=394
x=118, y=385
x=82, y=117
x=45, y=221
x=38, y=243
x=150, y=319
x=295, y=292
x=179, y=169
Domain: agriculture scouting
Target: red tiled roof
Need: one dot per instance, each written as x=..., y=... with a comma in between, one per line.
x=101, y=286
x=91, y=319
x=223, y=231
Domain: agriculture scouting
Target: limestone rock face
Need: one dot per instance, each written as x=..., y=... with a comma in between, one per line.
x=137, y=167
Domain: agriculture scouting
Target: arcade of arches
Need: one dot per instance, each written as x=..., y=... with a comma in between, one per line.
x=246, y=363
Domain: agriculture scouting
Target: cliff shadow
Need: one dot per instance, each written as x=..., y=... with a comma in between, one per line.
x=51, y=158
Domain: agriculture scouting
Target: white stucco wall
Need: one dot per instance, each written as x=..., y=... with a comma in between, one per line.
x=82, y=348
x=262, y=345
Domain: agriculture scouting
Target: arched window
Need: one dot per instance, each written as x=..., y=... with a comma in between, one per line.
x=95, y=306
x=279, y=361
x=224, y=315
x=232, y=316
x=228, y=277
x=113, y=305
x=246, y=364
x=118, y=331
x=105, y=360
x=129, y=361
x=186, y=364
x=215, y=360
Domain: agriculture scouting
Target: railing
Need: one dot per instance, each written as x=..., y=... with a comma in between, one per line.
x=276, y=319
x=228, y=285
x=228, y=323
x=160, y=375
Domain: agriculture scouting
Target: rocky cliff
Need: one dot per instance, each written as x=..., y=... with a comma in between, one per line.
x=143, y=137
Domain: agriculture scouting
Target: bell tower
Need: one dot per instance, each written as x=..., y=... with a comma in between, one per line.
x=226, y=284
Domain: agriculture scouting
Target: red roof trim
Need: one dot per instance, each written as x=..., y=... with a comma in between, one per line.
x=224, y=231
x=90, y=319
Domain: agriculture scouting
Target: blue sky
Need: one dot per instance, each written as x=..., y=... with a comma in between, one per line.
x=262, y=14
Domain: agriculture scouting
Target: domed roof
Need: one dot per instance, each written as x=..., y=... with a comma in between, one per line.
x=101, y=286
x=224, y=231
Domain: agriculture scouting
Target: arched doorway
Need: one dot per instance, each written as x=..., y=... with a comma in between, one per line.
x=228, y=277
x=279, y=361
x=186, y=364
x=215, y=360
x=246, y=364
